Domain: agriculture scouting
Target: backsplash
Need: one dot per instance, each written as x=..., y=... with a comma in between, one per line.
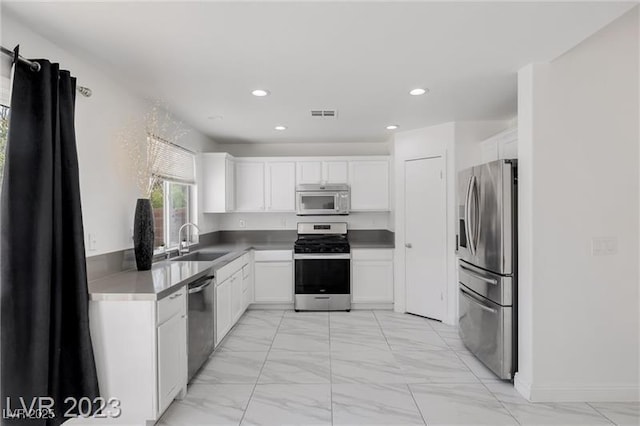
x=280, y=221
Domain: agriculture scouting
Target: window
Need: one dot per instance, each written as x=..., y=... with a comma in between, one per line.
x=173, y=196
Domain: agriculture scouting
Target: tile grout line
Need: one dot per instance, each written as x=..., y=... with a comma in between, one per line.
x=485, y=386
x=244, y=413
x=416, y=403
x=599, y=412
x=497, y=399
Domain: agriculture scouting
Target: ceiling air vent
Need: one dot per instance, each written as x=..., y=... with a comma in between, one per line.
x=324, y=113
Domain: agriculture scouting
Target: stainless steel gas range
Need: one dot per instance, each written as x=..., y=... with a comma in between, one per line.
x=322, y=258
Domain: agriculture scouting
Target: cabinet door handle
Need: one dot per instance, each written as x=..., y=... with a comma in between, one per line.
x=408, y=245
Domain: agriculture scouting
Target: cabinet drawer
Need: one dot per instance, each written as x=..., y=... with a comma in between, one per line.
x=229, y=269
x=246, y=258
x=372, y=254
x=171, y=305
x=272, y=255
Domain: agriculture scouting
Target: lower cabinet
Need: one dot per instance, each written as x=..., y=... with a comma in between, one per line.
x=372, y=275
x=140, y=349
x=273, y=281
x=172, y=341
x=223, y=309
x=231, y=299
x=247, y=286
x=237, y=305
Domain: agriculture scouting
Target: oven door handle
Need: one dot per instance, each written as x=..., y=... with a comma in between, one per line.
x=322, y=256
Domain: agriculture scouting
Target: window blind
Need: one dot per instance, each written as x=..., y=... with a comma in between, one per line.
x=172, y=162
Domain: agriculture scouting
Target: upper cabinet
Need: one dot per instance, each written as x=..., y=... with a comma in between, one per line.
x=317, y=171
x=218, y=179
x=335, y=171
x=249, y=186
x=280, y=186
x=268, y=183
x=308, y=172
x=369, y=180
x=504, y=145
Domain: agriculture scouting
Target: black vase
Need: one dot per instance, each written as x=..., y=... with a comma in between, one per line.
x=143, y=234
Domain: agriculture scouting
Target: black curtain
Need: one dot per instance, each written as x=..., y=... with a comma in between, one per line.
x=45, y=343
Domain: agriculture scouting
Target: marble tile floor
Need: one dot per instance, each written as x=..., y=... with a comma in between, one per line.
x=361, y=368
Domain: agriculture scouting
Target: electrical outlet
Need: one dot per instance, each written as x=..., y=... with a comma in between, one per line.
x=604, y=246
x=242, y=223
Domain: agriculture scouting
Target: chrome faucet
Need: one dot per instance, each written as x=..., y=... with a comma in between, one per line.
x=184, y=244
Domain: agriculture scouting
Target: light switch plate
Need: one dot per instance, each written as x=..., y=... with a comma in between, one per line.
x=604, y=246
x=91, y=241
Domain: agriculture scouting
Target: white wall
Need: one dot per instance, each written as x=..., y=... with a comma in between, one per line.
x=304, y=149
x=459, y=144
x=578, y=180
x=427, y=142
x=108, y=193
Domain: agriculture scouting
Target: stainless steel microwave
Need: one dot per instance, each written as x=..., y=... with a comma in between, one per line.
x=320, y=200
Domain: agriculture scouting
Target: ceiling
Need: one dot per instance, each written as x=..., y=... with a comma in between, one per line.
x=361, y=58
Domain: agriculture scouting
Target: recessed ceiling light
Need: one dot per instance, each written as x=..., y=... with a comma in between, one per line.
x=280, y=127
x=392, y=126
x=260, y=92
x=418, y=92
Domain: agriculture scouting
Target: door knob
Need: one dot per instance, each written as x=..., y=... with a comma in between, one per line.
x=408, y=245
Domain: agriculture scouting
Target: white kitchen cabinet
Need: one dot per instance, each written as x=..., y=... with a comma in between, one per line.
x=281, y=186
x=335, y=171
x=372, y=275
x=223, y=309
x=230, y=298
x=273, y=276
x=140, y=349
x=504, y=145
x=237, y=302
x=172, y=357
x=218, y=182
x=247, y=286
x=249, y=185
x=369, y=181
x=322, y=171
x=308, y=171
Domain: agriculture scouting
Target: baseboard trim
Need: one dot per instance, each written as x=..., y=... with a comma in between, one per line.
x=587, y=393
x=522, y=386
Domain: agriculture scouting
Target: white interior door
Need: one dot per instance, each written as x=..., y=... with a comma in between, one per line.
x=425, y=237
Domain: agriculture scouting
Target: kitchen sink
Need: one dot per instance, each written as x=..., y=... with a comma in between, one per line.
x=200, y=256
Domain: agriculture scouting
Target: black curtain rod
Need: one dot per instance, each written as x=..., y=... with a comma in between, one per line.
x=35, y=67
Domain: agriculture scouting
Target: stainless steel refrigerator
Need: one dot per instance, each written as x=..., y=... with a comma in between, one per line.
x=487, y=270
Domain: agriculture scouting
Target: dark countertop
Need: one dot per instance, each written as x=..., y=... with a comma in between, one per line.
x=168, y=276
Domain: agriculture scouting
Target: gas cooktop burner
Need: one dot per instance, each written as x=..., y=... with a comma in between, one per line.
x=320, y=242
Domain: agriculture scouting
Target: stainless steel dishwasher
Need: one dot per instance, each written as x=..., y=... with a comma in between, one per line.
x=202, y=325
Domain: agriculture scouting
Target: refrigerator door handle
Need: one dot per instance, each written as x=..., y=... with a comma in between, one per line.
x=477, y=276
x=477, y=302
x=467, y=216
x=476, y=213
